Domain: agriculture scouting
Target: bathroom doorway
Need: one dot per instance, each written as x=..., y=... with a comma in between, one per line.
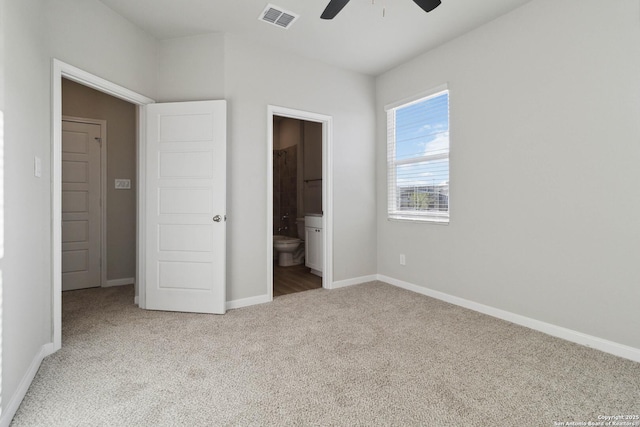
x=298, y=204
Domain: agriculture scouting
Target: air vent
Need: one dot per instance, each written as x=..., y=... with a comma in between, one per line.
x=278, y=16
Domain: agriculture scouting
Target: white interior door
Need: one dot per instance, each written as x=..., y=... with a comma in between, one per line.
x=81, y=211
x=186, y=207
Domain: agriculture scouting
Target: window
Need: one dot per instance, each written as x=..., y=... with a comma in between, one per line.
x=418, y=158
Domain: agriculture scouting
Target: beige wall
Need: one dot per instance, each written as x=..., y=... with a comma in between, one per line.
x=289, y=133
x=307, y=136
x=312, y=168
x=81, y=101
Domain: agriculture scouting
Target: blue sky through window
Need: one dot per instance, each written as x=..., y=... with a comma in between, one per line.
x=422, y=129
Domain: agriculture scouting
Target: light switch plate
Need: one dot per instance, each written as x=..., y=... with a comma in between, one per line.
x=123, y=184
x=37, y=166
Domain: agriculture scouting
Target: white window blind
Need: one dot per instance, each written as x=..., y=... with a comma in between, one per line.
x=418, y=158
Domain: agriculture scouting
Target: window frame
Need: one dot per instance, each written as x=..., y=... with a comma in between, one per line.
x=393, y=214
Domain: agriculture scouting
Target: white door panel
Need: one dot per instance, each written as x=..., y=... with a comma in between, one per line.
x=186, y=200
x=81, y=212
x=185, y=190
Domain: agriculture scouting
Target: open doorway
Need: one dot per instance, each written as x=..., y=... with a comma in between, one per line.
x=61, y=71
x=99, y=169
x=299, y=201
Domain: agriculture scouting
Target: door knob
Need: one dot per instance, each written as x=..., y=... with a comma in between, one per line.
x=217, y=218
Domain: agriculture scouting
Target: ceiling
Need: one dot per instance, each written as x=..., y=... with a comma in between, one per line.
x=358, y=39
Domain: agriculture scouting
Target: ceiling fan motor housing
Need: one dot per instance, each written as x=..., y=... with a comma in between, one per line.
x=335, y=6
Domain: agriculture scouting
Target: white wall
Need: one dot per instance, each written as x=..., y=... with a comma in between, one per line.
x=2, y=15
x=88, y=35
x=545, y=105
x=26, y=285
x=191, y=68
x=545, y=147
x=256, y=77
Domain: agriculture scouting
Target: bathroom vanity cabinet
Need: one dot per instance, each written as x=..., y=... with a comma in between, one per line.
x=313, y=242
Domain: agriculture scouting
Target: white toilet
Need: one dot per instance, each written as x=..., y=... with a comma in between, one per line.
x=290, y=249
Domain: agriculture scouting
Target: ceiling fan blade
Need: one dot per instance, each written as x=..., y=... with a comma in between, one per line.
x=333, y=8
x=427, y=5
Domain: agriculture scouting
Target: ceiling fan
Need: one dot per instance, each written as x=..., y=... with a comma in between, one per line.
x=335, y=6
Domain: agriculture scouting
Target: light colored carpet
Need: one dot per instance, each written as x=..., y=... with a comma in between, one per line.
x=366, y=355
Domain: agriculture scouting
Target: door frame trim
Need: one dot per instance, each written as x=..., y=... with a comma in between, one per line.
x=327, y=189
x=59, y=70
x=103, y=189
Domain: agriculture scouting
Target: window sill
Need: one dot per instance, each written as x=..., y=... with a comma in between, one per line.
x=428, y=220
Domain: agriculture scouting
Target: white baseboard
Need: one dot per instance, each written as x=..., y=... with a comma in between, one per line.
x=261, y=299
x=610, y=347
x=13, y=405
x=245, y=302
x=355, y=281
x=120, y=282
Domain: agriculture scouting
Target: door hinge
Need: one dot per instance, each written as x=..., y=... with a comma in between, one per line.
x=99, y=140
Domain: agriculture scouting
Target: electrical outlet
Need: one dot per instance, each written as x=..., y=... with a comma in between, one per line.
x=403, y=260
